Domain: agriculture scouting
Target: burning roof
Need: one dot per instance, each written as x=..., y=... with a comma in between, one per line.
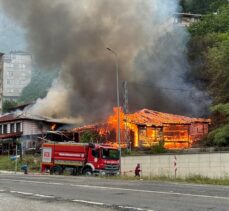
x=90, y=127
x=144, y=117
x=150, y=117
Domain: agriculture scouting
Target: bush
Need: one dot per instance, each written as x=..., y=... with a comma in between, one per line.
x=220, y=136
x=158, y=148
x=90, y=137
x=8, y=105
x=33, y=162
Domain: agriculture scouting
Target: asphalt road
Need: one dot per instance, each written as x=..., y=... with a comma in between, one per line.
x=12, y=202
x=111, y=194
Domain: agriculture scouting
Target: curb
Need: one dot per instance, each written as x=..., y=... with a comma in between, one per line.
x=10, y=172
x=21, y=173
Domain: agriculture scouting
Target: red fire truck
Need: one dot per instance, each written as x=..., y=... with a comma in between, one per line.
x=80, y=158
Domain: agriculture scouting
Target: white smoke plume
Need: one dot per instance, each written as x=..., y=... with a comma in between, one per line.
x=74, y=35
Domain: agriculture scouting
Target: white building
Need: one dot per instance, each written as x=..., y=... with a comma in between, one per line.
x=185, y=19
x=26, y=129
x=17, y=72
x=1, y=81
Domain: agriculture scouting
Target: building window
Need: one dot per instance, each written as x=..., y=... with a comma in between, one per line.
x=12, y=128
x=0, y=129
x=18, y=127
x=4, y=129
x=10, y=74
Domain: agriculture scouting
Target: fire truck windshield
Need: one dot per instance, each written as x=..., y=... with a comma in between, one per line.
x=110, y=154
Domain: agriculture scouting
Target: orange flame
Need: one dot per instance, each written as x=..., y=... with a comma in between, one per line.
x=53, y=127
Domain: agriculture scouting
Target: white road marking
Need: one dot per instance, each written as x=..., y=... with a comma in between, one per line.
x=26, y=193
x=2, y=190
x=151, y=191
x=100, y=203
x=88, y=202
x=43, y=196
x=134, y=208
x=56, y=183
x=123, y=189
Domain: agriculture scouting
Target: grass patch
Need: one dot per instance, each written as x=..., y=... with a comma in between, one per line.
x=155, y=149
x=32, y=161
x=206, y=180
x=6, y=163
x=196, y=179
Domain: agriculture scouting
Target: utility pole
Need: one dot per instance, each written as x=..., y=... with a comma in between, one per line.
x=126, y=112
x=118, y=104
x=16, y=159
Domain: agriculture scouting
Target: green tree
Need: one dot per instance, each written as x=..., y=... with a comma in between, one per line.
x=201, y=6
x=218, y=69
x=212, y=23
x=8, y=105
x=209, y=53
x=220, y=134
x=40, y=83
x=208, y=56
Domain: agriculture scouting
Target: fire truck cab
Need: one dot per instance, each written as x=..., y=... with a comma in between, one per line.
x=81, y=158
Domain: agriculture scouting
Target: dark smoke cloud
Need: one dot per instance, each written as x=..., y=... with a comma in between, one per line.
x=74, y=35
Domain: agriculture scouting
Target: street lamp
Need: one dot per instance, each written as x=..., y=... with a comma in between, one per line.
x=117, y=89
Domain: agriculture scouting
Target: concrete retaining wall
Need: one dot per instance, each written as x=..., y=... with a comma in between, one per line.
x=212, y=165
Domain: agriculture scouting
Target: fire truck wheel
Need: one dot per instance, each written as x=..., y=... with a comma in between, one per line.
x=56, y=170
x=87, y=171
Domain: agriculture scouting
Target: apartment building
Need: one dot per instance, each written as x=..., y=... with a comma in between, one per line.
x=1, y=81
x=17, y=72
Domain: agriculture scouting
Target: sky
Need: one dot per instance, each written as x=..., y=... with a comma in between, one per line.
x=11, y=35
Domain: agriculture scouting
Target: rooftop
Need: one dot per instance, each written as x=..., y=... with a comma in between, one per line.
x=145, y=117
x=150, y=117
x=14, y=116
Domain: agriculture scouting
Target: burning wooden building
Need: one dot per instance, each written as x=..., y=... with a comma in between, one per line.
x=146, y=128
x=176, y=131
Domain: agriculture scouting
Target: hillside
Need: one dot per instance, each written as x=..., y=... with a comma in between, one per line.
x=208, y=52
